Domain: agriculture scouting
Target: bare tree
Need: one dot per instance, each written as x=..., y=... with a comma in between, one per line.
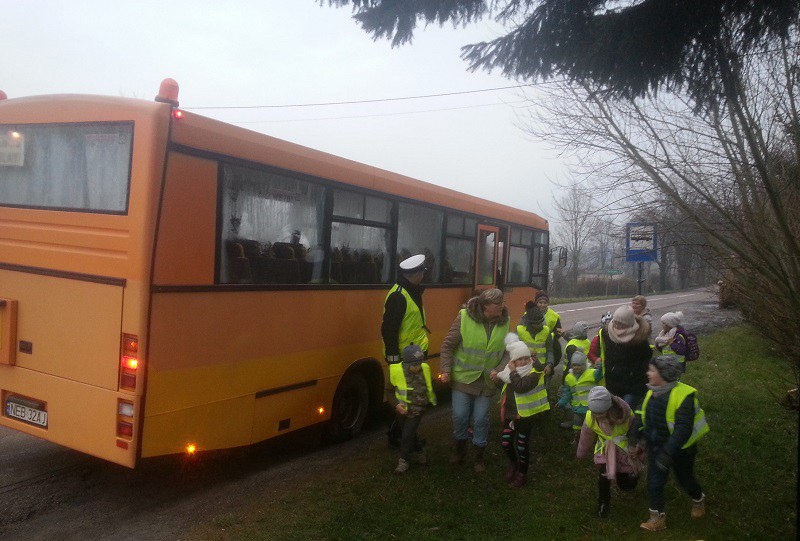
x=729, y=168
x=576, y=223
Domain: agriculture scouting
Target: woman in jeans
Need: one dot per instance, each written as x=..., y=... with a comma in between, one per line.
x=471, y=355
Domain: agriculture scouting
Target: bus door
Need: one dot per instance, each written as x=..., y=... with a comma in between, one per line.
x=486, y=257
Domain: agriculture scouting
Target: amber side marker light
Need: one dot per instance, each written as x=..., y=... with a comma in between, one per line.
x=191, y=449
x=129, y=362
x=321, y=410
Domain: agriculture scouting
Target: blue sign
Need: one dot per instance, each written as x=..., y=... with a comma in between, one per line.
x=641, y=242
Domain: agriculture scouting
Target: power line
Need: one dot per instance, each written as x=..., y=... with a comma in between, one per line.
x=359, y=101
x=376, y=114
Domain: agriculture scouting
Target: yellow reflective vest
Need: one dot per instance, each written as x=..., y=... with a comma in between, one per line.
x=581, y=387
x=618, y=436
x=583, y=345
x=477, y=354
x=398, y=378
x=412, y=329
x=534, y=401
x=676, y=397
x=538, y=343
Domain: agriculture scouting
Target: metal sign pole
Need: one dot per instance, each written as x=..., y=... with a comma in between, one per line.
x=640, y=266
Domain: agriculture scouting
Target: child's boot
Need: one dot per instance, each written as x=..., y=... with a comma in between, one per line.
x=421, y=456
x=603, y=509
x=656, y=522
x=459, y=452
x=511, y=471
x=519, y=480
x=699, y=507
x=480, y=467
x=402, y=467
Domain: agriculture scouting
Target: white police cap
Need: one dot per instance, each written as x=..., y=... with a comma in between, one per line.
x=414, y=263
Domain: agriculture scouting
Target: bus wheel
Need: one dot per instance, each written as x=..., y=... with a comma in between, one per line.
x=350, y=407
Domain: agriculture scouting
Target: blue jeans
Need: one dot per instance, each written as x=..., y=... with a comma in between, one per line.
x=465, y=406
x=633, y=400
x=683, y=465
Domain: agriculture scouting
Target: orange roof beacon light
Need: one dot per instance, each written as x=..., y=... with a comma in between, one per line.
x=3, y=96
x=168, y=92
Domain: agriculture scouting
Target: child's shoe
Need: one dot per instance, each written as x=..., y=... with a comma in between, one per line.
x=699, y=507
x=603, y=509
x=402, y=467
x=421, y=457
x=519, y=480
x=656, y=522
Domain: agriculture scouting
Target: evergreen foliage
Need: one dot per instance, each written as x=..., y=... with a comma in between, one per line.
x=627, y=47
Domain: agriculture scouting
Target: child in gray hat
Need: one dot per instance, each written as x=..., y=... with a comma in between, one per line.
x=575, y=392
x=607, y=424
x=671, y=422
x=412, y=392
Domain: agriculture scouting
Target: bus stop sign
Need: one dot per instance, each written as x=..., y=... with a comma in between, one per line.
x=641, y=242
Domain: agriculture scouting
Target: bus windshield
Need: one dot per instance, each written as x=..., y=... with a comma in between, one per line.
x=78, y=167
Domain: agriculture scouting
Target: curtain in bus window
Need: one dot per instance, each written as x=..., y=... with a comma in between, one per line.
x=420, y=232
x=73, y=167
x=358, y=254
x=271, y=228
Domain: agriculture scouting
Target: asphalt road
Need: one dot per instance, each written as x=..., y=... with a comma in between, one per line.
x=48, y=492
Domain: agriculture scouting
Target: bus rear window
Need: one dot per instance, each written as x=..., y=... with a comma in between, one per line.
x=77, y=167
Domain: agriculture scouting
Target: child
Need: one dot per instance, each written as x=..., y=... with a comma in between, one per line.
x=608, y=421
x=578, y=337
x=672, y=338
x=575, y=392
x=524, y=395
x=413, y=391
x=595, y=353
x=577, y=340
x=671, y=423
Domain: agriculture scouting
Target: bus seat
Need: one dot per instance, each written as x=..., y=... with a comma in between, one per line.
x=285, y=267
x=239, y=264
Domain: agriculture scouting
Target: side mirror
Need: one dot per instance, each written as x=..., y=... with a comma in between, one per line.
x=562, y=256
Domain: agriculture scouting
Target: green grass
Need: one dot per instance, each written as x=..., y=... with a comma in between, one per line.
x=747, y=466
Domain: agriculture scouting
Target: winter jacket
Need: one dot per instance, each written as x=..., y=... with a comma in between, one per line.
x=452, y=341
x=622, y=461
x=626, y=364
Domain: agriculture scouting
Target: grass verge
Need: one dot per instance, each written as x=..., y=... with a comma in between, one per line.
x=747, y=466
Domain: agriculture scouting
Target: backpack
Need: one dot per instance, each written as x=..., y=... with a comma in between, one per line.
x=692, y=347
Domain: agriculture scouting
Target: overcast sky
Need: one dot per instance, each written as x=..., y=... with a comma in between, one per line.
x=283, y=52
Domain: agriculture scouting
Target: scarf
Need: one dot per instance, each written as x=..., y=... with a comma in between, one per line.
x=505, y=373
x=622, y=336
x=660, y=390
x=663, y=338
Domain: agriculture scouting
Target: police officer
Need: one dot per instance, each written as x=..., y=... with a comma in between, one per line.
x=404, y=320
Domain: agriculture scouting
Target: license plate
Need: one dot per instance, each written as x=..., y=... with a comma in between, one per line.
x=26, y=413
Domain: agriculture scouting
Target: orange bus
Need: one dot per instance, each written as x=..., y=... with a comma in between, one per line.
x=172, y=283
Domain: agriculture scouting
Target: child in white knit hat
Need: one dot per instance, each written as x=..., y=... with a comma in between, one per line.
x=524, y=395
x=672, y=338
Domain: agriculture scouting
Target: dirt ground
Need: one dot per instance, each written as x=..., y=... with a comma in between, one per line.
x=164, y=498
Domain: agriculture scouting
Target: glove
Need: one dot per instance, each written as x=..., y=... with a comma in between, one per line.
x=663, y=461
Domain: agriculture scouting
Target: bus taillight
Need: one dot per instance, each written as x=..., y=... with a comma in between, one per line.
x=129, y=362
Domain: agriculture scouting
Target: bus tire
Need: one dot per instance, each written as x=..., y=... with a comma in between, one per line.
x=350, y=407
